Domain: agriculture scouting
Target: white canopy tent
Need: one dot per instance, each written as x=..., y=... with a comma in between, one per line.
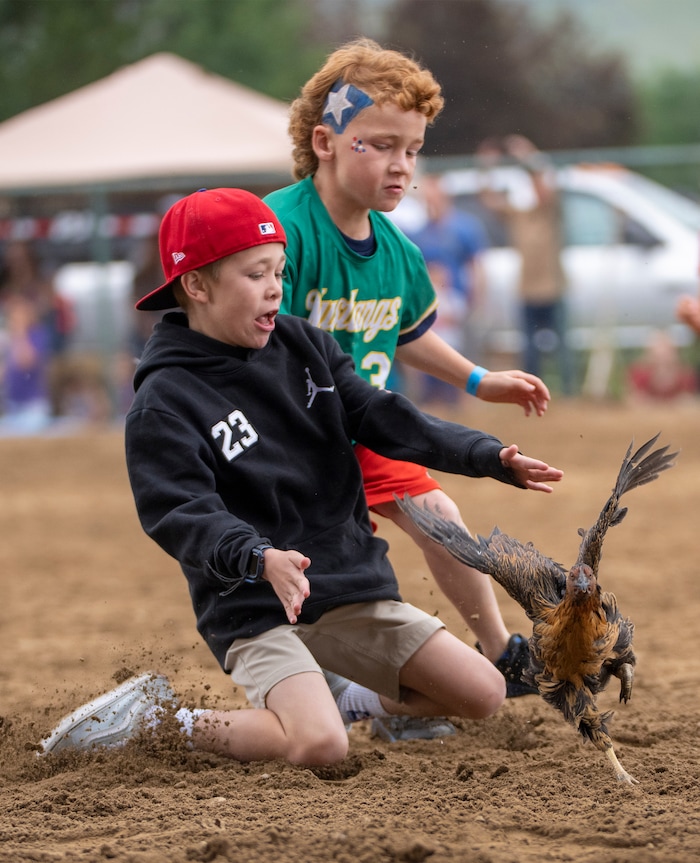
x=156, y=120
x=86, y=174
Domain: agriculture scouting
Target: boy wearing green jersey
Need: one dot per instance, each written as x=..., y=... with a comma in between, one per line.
x=357, y=129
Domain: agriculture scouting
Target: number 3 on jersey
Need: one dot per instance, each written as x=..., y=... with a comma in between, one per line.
x=378, y=365
x=236, y=433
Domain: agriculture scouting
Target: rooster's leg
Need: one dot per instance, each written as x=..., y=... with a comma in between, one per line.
x=626, y=674
x=620, y=772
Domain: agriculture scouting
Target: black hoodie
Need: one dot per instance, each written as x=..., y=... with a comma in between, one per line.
x=229, y=447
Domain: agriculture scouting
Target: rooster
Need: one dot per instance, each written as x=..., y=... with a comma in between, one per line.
x=579, y=637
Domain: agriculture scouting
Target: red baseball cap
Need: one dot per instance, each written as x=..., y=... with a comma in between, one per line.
x=204, y=227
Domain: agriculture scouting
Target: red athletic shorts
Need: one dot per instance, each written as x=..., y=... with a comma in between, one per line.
x=385, y=477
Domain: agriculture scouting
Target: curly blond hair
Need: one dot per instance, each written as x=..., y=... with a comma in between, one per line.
x=385, y=75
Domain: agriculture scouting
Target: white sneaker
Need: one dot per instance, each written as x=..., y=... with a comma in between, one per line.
x=112, y=718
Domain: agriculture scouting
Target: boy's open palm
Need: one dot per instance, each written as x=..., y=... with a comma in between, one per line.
x=530, y=472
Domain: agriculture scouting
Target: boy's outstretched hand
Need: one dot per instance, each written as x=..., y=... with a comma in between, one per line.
x=515, y=387
x=530, y=472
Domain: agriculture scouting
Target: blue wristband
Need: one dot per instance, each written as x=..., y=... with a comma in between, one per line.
x=474, y=379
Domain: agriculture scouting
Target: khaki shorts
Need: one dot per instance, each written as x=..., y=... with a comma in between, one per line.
x=368, y=642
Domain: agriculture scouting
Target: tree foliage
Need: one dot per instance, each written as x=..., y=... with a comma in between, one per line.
x=670, y=108
x=51, y=47
x=501, y=74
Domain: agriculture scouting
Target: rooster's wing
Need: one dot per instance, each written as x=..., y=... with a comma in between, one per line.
x=533, y=580
x=636, y=470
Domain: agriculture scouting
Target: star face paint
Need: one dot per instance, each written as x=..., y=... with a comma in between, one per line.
x=343, y=104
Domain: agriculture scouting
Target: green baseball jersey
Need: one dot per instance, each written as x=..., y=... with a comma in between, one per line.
x=368, y=303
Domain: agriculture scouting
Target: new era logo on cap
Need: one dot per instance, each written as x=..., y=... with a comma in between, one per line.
x=267, y=228
x=178, y=256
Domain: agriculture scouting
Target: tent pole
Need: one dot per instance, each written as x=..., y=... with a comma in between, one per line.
x=101, y=252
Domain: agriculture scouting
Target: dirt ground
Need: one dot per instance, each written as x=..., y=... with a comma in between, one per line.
x=87, y=597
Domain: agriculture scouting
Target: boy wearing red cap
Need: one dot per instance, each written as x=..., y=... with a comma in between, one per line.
x=357, y=128
x=240, y=433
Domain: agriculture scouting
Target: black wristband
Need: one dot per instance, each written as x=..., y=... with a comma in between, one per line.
x=256, y=564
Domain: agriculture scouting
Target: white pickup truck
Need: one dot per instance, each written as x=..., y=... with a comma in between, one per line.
x=631, y=249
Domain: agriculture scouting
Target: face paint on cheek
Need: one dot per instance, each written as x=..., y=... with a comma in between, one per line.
x=356, y=146
x=343, y=104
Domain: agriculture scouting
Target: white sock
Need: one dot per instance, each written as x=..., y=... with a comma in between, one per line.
x=186, y=717
x=153, y=717
x=356, y=702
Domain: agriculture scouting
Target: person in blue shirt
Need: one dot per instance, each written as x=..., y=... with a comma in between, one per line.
x=451, y=242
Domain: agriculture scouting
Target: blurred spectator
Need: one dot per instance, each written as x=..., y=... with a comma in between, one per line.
x=531, y=211
x=660, y=374
x=423, y=388
x=26, y=356
x=83, y=392
x=451, y=242
x=21, y=274
x=688, y=312
x=149, y=274
x=35, y=324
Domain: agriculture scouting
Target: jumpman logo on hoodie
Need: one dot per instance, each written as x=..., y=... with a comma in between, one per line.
x=312, y=390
